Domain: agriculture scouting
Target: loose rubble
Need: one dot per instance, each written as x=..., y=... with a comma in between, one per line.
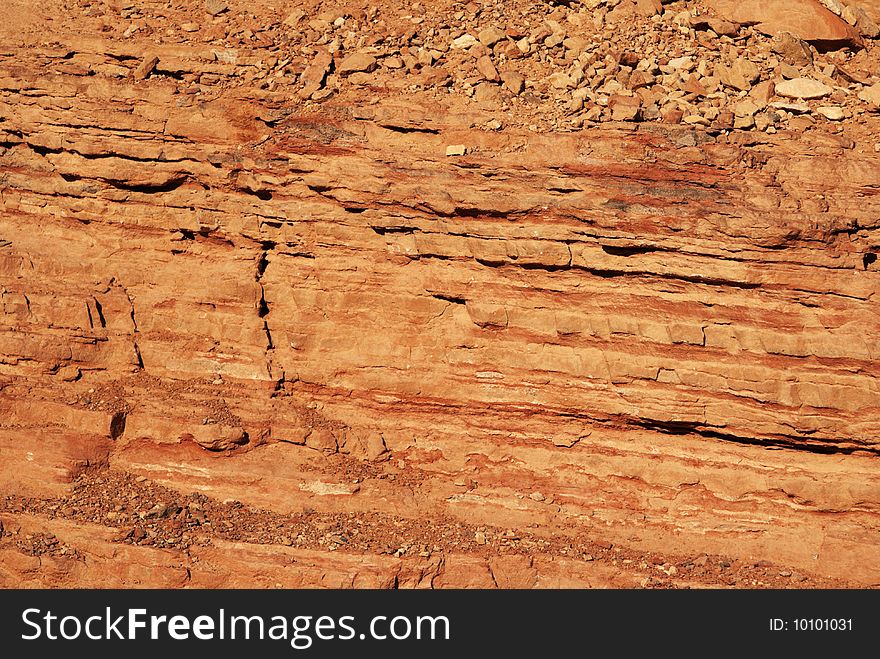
x=145, y=514
x=439, y=282
x=552, y=66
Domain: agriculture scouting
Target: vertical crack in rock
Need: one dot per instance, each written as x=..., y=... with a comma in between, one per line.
x=100, y=310
x=134, y=330
x=117, y=425
x=263, y=305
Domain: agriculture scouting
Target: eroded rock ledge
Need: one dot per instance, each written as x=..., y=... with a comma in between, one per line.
x=628, y=355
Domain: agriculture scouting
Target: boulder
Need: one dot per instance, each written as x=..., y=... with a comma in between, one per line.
x=806, y=19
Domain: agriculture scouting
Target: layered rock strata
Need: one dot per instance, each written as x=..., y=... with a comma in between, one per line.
x=249, y=342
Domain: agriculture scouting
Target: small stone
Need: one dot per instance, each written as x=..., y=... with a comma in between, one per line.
x=745, y=108
x=763, y=92
x=672, y=116
x=69, y=373
x=314, y=75
x=805, y=88
x=217, y=437
x=682, y=63
x=225, y=56
x=486, y=92
x=464, y=41
x=524, y=46
x=487, y=68
x=536, y=496
x=554, y=39
x=357, y=78
x=215, y=7
x=791, y=49
x=867, y=26
x=560, y=80
x=724, y=120
x=640, y=79
x=294, y=18
x=831, y=112
x=762, y=121
x=491, y=36
x=513, y=82
x=145, y=68
x=576, y=104
x=649, y=7
x=625, y=108
x=189, y=27
x=789, y=72
x=723, y=28
x=576, y=45
x=456, y=150
x=871, y=94
x=693, y=86
x=794, y=108
x=158, y=510
x=696, y=119
x=740, y=75
x=745, y=122
x=357, y=63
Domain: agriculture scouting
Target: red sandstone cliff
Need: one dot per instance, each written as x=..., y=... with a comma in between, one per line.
x=250, y=340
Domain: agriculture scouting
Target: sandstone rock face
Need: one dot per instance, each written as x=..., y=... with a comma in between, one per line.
x=807, y=19
x=319, y=335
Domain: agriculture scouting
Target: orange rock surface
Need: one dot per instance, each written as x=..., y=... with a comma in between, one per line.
x=809, y=19
x=248, y=340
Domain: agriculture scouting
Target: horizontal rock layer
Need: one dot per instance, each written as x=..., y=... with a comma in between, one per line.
x=562, y=345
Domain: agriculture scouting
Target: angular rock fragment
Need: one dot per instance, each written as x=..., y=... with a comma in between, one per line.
x=806, y=19
x=314, y=75
x=740, y=75
x=514, y=82
x=804, y=88
x=215, y=7
x=217, y=437
x=792, y=49
x=871, y=95
x=487, y=68
x=625, y=108
x=145, y=68
x=491, y=36
x=356, y=63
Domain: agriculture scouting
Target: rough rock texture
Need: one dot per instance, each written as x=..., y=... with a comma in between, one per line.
x=809, y=19
x=247, y=340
